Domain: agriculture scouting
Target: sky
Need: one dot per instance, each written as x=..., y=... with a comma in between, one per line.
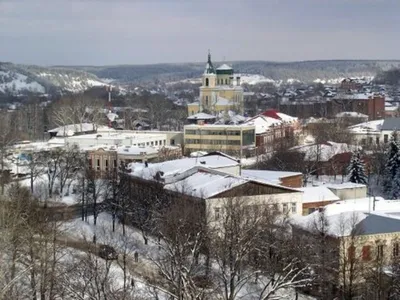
x=107, y=32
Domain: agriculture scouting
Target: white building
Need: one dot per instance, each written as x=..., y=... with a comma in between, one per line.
x=215, y=179
x=118, y=138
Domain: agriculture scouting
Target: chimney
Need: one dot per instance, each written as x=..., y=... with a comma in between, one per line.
x=238, y=80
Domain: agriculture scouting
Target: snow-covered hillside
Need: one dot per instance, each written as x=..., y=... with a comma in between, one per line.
x=19, y=79
x=74, y=83
x=15, y=83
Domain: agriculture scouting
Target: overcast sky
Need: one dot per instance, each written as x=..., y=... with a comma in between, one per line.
x=100, y=32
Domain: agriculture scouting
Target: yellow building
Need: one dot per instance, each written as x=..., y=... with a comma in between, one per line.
x=236, y=140
x=220, y=91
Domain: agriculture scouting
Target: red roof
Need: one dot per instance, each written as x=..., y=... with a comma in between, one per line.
x=272, y=113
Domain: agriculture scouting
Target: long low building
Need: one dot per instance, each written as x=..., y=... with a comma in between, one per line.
x=214, y=179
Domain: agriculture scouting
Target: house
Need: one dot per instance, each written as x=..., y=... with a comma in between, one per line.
x=356, y=241
x=389, y=126
x=315, y=197
x=348, y=190
x=106, y=158
x=208, y=182
x=273, y=127
x=327, y=158
x=367, y=133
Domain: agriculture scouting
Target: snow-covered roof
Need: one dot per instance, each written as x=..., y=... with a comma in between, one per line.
x=268, y=176
x=324, y=151
x=371, y=126
x=317, y=194
x=272, y=113
x=135, y=150
x=231, y=117
x=344, y=185
x=343, y=216
x=355, y=96
x=201, y=116
x=263, y=123
x=176, y=167
x=70, y=130
x=205, y=185
x=198, y=153
x=350, y=114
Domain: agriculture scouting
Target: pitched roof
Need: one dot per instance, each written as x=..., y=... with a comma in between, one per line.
x=376, y=224
x=201, y=116
x=318, y=194
x=268, y=176
x=173, y=168
x=391, y=124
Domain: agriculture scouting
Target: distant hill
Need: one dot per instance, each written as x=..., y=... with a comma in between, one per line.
x=23, y=79
x=305, y=71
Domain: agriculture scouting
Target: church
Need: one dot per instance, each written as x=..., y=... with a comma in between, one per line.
x=220, y=91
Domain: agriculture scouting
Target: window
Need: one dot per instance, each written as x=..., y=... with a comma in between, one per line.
x=115, y=163
x=147, y=143
x=379, y=251
x=172, y=142
x=226, y=81
x=217, y=213
x=106, y=162
x=377, y=140
x=207, y=82
x=284, y=207
x=294, y=207
x=370, y=140
x=152, y=143
x=385, y=138
x=98, y=164
x=351, y=252
x=206, y=100
x=156, y=143
x=396, y=249
x=366, y=253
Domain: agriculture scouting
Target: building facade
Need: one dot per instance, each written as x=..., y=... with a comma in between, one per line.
x=235, y=140
x=220, y=91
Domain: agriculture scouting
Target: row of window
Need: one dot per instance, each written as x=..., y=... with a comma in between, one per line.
x=250, y=209
x=212, y=132
x=212, y=142
x=152, y=143
x=366, y=252
x=98, y=164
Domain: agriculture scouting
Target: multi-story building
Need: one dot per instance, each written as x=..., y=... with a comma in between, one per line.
x=105, y=158
x=220, y=91
x=232, y=139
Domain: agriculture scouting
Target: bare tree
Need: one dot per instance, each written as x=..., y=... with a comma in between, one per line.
x=182, y=238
